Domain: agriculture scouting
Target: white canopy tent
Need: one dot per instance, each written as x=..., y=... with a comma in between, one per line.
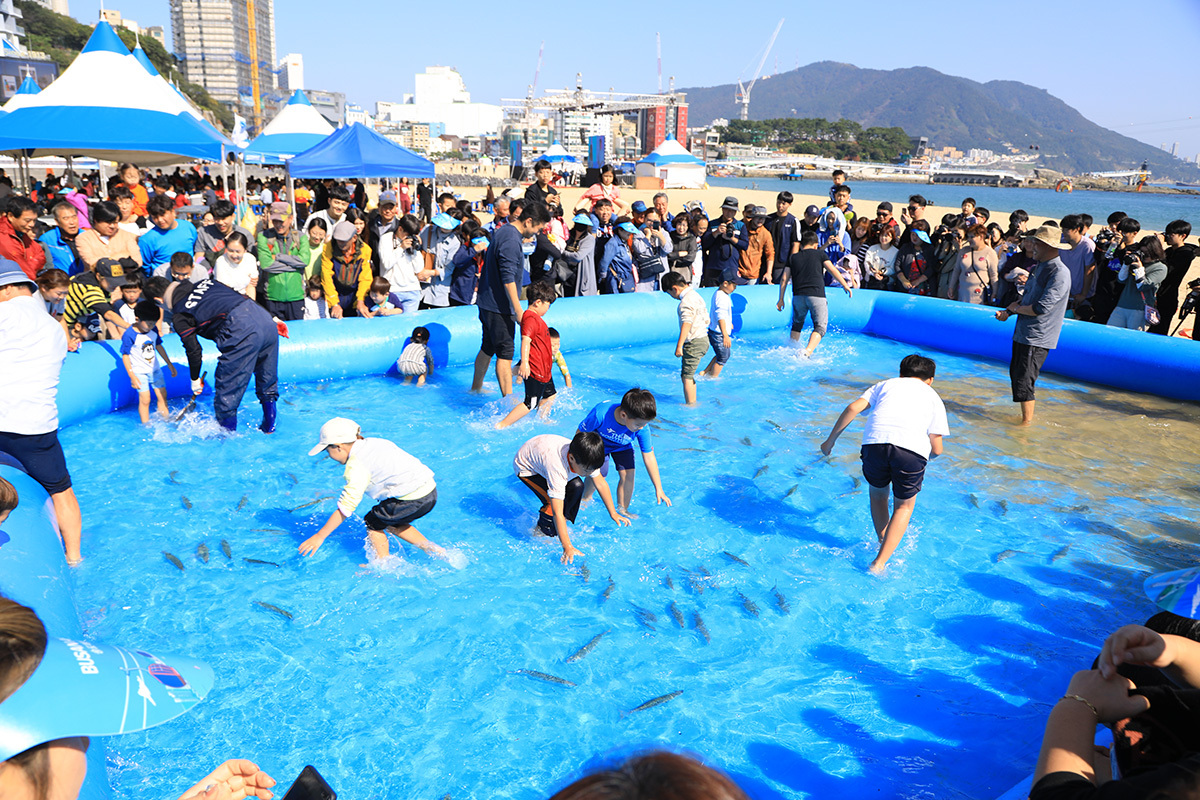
x=674, y=165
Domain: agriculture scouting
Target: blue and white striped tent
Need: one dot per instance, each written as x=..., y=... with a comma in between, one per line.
x=27, y=89
x=298, y=127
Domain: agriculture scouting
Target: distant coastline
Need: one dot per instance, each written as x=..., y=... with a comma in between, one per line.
x=1080, y=184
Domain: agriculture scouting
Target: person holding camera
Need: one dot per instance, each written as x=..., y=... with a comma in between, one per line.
x=1179, y=259
x=1142, y=272
x=723, y=244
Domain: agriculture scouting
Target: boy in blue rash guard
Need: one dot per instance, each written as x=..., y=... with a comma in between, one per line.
x=619, y=425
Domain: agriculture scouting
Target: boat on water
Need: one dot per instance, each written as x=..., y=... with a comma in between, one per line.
x=1183, y=185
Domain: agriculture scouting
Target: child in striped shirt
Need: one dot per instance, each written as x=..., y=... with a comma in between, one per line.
x=416, y=361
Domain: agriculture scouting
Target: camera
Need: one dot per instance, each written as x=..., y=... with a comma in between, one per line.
x=1128, y=257
x=1190, y=302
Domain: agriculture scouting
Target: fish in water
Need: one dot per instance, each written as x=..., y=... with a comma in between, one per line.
x=709, y=438
x=259, y=561
x=690, y=450
x=973, y=500
x=774, y=424
x=658, y=701
x=291, y=478
x=761, y=471
x=608, y=590
x=242, y=503
x=734, y=558
x=587, y=648
x=645, y=616
x=1060, y=554
x=748, y=604
x=746, y=441
x=1002, y=507
x=173, y=476
x=694, y=584
x=268, y=530
x=676, y=614
x=186, y=503
x=703, y=570
x=698, y=624
x=311, y=503
x=667, y=582
x=584, y=572
x=226, y=549
x=275, y=609
x=173, y=559
x=202, y=552
x=541, y=676
x=289, y=402
x=781, y=601
x=1007, y=554
x=856, y=481
x=1079, y=509
x=791, y=491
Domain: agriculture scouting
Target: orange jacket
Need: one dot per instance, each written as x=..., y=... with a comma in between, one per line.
x=20, y=248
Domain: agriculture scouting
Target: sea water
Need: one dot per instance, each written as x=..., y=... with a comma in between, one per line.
x=401, y=679
x=1151, y=209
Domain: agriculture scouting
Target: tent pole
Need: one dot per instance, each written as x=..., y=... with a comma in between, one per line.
x=291, y=189
x=224, y=172
x=70, y=173
x=102, y=189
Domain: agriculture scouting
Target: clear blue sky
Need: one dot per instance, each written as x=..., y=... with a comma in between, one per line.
x=1128, y=65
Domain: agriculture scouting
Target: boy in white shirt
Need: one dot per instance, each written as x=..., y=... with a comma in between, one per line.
x=693, y=331
x=904, y=430
x=403, y=486
x=554, y=468
x=141, y=347
x=720, y=324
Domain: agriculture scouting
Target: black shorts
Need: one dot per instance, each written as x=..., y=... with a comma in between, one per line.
x=41, y=456
x=885, y=464
x=623, y=459
x=537, y=392
x=498, y=333
x=396, y=513
x=1026, y=364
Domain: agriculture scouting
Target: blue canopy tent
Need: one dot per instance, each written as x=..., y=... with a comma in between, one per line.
x=295, y=129
x=356, y=151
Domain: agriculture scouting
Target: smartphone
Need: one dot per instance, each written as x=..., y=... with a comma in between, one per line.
x=310, y=786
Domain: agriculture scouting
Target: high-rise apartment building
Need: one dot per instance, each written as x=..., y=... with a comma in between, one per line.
x=228, y=46
x=57, y=6
x=10, y=24
x=291, y=74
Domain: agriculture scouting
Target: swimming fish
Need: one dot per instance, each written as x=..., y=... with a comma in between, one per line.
x=291, y=478
x=584, y=571
x=268, y=530
x=259, y=561
x=1002, y=507
x=973, y=500
x=276, y=609
x=709, y=438
x=703, y=570
x=202, y=551
x=774, y=424
x=311, y=503
x=242, y=503
x=226, y=549
x=759, y=473
x=668, y=421
x=698, y=624
x=608, y=590
x=676, y=613
x=748, y=604
x=173, y=476
x=791, y=491
x=173, y=559
x=734, y=558
x=587, y=648
x=658, y=701
x=781, y=601
x=690, y=450
x=746, y=441
x=694, y=584
x=1060, y=554
x=541, y=676
x=1007, y=554
x=645, y=616
x=289, y=402
x=186, y=503
x=667, y=582
x=1079, y=509
x=856, y=481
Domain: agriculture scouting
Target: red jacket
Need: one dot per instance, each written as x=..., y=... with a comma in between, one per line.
x=18, y=247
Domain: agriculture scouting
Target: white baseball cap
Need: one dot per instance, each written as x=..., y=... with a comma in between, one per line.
x=338, y=430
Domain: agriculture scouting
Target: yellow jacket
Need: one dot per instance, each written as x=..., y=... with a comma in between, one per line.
x=365, y=275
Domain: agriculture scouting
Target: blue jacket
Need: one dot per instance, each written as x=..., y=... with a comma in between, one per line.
x=463, y=276
x=504, y=263
x=59, y=253
x=720, y=253
x=616, y=267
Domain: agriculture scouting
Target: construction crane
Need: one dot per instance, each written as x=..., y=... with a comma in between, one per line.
x=658, y=45
x=254, y=87
x=533, y=86
x=743, y=91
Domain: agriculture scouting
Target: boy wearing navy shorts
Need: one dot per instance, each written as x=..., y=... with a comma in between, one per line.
x=553, y=468
x=141, y=347
x=403, y=486
x=619, y=426
x=720, y=324
x=904, y=430
x=537, y=355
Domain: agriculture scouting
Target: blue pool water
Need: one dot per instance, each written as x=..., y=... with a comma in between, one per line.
x=398, y=680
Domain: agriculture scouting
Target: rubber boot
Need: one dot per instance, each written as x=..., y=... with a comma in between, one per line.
x=268, y=420
x=228, y=423
x=545, y=524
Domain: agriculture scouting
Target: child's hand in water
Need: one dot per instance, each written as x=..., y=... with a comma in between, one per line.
x=620, y=519
x=311, y=544
x=661, y=497
x=569, y=553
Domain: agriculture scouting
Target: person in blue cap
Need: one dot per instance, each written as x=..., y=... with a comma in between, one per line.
x=616, y=265
x=246, y=335
x=56, y=693
x=580, y=254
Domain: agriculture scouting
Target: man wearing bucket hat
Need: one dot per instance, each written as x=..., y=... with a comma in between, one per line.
x=59, y=692
x=245, y=334
x=723, y=243
x=283, y=254
x=1040, y=313
x=32, y=349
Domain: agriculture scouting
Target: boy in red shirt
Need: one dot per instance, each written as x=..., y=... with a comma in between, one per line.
x=537, y=356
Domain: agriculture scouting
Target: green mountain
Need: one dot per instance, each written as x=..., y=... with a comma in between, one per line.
x=62, y=37
x=947, y=109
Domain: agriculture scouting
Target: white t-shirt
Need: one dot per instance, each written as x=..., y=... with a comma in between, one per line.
x=236, y=276
x=905, y=412
x=879, y=259
x=33, y=346
x=721, y=308
x=140, y=347
x=398, y=265
x=546, y=455
x=693, y=310
x=382, y=470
